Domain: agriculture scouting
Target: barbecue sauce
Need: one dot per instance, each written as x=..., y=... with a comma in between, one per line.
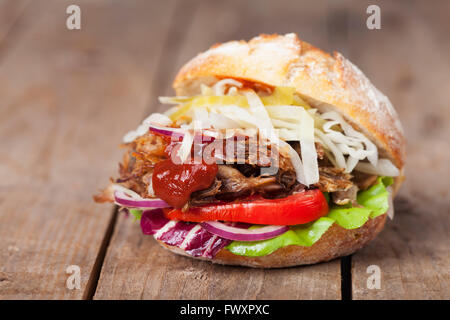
x=174, y=182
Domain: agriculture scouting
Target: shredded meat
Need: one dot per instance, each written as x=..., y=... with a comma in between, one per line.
x=232, y=184
x=207, y=195
x=136, y=169
x=319, y=148
x=363, y=180
x=320, y=151
x=287, y=178
x=248, y=170
x=235, y=184
x=241, y=176
x=245, y=151
x=333, y=179
x=345, y=196
x=149, y=147
x=134, y=174
x=105, y=195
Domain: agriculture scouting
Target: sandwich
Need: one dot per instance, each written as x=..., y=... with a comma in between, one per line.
x=272, y=153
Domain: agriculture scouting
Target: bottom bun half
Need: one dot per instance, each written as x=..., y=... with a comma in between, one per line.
x=336, y=242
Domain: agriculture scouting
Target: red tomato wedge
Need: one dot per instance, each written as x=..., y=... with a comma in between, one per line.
x=295, y=209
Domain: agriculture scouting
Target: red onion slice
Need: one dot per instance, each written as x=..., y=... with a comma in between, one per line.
x=178, y=133
x=239, y=234
x=125, y=200
x=166, y=131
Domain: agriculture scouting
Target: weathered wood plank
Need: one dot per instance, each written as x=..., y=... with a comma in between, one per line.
x=10, y=13
x=135, y=266
x=406, y=59
x=66, y=102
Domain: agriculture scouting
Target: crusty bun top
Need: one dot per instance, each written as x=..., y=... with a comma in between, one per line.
x=327, y=82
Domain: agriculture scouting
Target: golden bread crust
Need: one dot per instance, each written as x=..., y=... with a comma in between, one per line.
x=336, y=242
x=327, y=82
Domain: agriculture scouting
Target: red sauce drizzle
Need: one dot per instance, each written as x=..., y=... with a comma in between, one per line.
x=174, y=183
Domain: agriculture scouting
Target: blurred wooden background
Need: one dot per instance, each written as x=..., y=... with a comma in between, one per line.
x=68, y=96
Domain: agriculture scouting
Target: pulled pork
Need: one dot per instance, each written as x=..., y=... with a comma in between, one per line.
x=136, y=169
x=333, y=179
x=240, y=176
x=345, y=196
x=364, y=180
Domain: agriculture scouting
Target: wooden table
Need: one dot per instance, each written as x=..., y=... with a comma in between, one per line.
x=68, y=96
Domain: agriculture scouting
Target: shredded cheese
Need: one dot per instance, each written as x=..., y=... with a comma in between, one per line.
x=279, y=117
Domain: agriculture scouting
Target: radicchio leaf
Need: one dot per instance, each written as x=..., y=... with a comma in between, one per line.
x=188, y=236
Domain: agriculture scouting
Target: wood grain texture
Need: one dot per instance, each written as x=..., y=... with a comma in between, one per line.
x=67, y=98
x=406, y=60
x=10, y=14
x=66, y=101
x=136, y=267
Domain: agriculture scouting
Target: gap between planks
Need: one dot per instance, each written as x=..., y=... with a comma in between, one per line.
x=346, y=278
x=91, y=286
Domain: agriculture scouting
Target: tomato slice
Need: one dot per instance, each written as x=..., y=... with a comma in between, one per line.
x=295, y=209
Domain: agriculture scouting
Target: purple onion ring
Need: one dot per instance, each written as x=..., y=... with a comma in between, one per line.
x=124, y=200
x=239, y=234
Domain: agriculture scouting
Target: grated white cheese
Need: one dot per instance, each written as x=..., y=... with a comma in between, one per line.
x=308, y=149
x=346, y=147
x=154, y=118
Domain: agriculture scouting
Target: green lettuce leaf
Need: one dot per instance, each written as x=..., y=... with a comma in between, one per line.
x=301, y=235
x=376, y=197
x=136, y=213
x=373, y=202
x=349, y=218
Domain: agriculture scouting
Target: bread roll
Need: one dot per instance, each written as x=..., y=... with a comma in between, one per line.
x=327, y=83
